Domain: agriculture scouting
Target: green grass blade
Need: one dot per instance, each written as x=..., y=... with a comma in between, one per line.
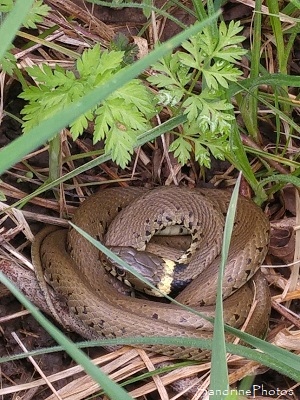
x=284, y=161
x=219, y=372
x=273, y=6
x=12, y=23
x=199, y=9
x=278, y=359
x=294, y=180
x=267, y=79
x=296, y=3
x=38, y=39
x=248, y=105
x=240, y=160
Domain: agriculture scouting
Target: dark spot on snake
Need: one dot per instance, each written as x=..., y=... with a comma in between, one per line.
x=76, y=311
x=249, y=261
x=84, y=310
x=123, y=329
x=105, y=228
x=101, y=323
x=147, y=221
x=91, y=324
x=191, y=214
x=236, y=316
x=120, y=271
x=201, y=303
x=183, y=319
x=119, y=209
x=98, y=238
x=148, y=233
x=191, y=224
x=180, y=267
x=260, y=249
x=178, y=285
x=169, y=219
x=113, y=334
x=248, y=272
x=230, y=279
x=158, y=220
x=155, y=316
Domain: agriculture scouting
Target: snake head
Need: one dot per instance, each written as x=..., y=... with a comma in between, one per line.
x=154, y=269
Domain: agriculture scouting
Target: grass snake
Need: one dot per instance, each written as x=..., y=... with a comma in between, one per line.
x=130, y=217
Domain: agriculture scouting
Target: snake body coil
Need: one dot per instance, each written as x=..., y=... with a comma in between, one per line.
x=129, y=217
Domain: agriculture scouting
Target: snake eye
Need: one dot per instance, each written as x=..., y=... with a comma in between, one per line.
x=120, y=271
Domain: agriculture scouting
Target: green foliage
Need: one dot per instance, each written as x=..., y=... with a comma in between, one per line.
x=208, y=113
x=36, y=15
x=118, y=120
x=146, y=5
x=121, y=42
x=6, y=5
x=8, y=62
x=125, y=114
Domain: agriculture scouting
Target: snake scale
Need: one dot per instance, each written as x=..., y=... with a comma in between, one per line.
x=129, y=217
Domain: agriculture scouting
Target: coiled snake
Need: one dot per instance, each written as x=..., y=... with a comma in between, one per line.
x=129, y=217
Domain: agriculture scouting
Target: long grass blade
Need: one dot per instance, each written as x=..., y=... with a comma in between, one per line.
x=219, y=382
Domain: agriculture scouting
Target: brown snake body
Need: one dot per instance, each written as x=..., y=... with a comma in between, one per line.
x=72, y=267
